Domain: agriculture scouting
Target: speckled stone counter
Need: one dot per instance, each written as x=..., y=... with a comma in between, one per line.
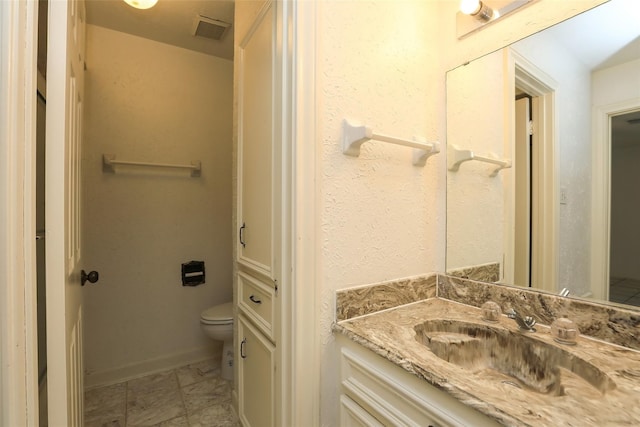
x=391, y=333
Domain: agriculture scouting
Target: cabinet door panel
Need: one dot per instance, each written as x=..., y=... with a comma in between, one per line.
x=353, y=415
x=255, y=145
x=256, y=376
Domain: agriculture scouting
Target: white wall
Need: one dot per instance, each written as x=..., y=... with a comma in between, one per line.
x=153, y=102
x=573, y=152
x=616, y=84
x=477, y=106
x=381, y=217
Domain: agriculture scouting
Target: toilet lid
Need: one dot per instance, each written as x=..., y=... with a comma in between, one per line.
x=222, y=313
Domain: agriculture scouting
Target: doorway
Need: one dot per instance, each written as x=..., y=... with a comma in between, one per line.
x=41, y=113
x=624, y=271
x=524, y=179
x=533, y=213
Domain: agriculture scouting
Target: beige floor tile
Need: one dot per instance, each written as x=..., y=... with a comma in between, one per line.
x=105, y=406
x=153, y=399
x=164, y=400
x=221, y=415
x=198, y=372
x=175, y=422
x=206, y=393
x=117, y=422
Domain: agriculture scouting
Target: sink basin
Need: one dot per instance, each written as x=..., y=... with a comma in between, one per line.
x=533, y=364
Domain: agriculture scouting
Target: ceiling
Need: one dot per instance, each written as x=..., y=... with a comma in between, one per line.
x=603, y=37
x=169, y=21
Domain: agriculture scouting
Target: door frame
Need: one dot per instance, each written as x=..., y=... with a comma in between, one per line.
x=545, y=216
x=18, y=315
x=300, y=239
x=601, y=193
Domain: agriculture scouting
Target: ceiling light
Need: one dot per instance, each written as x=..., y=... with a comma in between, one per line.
x=141, y=4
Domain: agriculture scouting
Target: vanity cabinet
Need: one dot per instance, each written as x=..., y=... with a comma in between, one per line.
x=354, y=415
x=377, y=392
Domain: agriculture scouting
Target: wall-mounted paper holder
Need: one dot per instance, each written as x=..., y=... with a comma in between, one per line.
x=353, y=136
x=456, y=157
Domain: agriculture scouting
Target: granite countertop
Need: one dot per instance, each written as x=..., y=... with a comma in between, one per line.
x=391, y=334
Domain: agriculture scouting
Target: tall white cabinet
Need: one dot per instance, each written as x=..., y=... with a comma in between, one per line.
x=258, y=213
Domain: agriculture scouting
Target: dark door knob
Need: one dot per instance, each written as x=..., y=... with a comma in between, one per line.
x=93, y=277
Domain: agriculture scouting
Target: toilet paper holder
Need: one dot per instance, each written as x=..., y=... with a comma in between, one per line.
x=193, y=273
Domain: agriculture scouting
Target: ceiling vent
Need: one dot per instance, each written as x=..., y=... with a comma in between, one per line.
x=210, y=28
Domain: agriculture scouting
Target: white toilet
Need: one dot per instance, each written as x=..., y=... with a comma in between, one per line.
x=217, y=323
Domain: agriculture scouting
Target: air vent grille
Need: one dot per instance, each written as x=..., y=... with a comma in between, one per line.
x=210, y=28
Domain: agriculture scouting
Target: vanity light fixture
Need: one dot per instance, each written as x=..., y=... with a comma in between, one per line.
x=478, y=10
x=475, y=14
x=141, y=4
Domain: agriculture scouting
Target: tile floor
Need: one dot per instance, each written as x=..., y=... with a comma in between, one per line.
x=624, y=291
x=191, y=396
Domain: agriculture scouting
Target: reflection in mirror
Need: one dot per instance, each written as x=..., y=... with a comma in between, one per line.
x=563, y=107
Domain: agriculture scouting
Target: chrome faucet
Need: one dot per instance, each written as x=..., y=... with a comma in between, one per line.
x=525, y=323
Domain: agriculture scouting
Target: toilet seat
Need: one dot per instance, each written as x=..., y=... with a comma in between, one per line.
x=218, y=314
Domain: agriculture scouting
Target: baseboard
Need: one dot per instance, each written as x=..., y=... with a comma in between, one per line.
x=151, y=366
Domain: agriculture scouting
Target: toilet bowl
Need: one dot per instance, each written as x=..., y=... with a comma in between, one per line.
x=217, y=323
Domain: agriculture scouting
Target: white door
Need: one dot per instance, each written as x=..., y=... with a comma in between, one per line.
x=522, y=246
x=65, y=68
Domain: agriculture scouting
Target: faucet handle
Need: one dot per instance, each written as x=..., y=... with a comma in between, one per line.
x=491, y=311
x=564, y=331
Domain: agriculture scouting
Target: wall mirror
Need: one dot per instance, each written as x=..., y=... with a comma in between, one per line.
x=543, y=153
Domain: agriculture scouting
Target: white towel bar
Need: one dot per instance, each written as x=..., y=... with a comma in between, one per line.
x=353, y=136
x=456, y=157
x=109, y=162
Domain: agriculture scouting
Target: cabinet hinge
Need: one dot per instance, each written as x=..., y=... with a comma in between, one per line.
x=531, y=127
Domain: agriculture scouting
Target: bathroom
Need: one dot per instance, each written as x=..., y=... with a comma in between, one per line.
x=378, y=217
x=153, y=102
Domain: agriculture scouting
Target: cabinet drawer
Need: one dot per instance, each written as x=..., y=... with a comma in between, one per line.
x=256, y=301
x=353, y=415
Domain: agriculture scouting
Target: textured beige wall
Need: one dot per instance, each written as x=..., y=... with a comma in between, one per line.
x=153, y=102
x=381, y=217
